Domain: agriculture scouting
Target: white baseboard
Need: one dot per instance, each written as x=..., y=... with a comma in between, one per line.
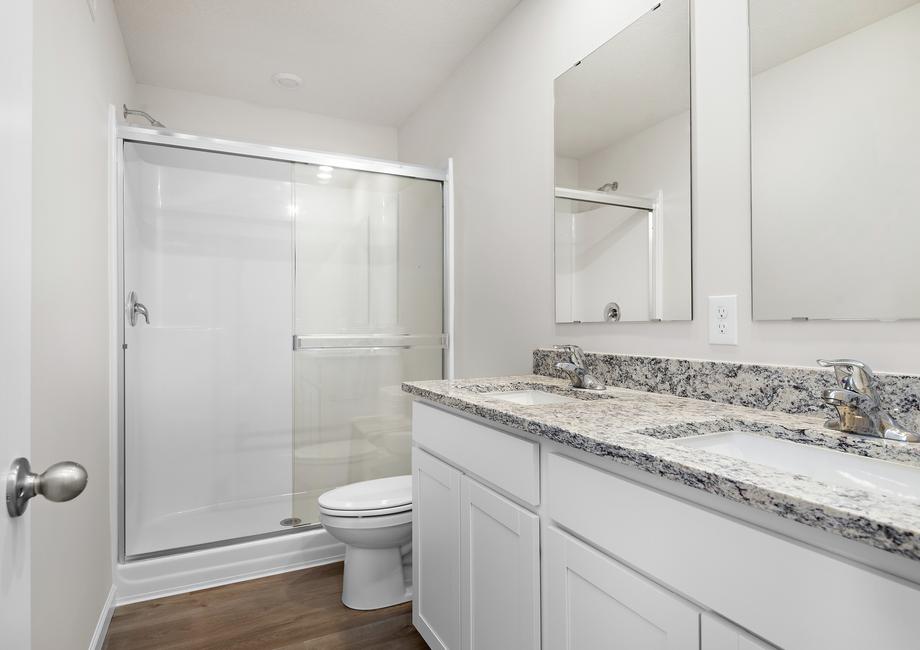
x=102, y=625
x=177, y=574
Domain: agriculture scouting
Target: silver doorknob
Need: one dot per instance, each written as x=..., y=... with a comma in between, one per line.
x=60, y=482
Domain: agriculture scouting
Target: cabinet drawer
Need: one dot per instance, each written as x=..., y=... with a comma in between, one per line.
x=504, y=460
x=795, y=596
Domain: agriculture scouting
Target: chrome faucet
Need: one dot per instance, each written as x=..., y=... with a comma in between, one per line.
x=576, y=369
x=858, y=404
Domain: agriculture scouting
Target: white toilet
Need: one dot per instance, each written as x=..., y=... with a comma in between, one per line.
x=374, y=521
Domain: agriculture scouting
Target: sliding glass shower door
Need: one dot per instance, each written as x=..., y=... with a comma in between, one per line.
x=369, y=315
x=208, y=415
x=272, y=310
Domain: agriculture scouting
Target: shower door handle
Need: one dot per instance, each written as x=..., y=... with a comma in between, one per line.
x=135, y=308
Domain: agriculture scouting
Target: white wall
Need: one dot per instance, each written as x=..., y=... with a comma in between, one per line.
x=851, y=193
x=238, y=120
x=495, y=117
x=80, y=68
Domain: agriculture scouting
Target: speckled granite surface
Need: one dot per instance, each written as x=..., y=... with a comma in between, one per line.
x=773, y=388
x=639, y=429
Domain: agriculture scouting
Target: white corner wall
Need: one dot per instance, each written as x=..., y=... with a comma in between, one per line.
x=494, y=115
x=233, y=119
x=80, y=68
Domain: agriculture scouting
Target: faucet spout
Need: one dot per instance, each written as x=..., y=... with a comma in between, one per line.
x=576, y=371
x=858, y=404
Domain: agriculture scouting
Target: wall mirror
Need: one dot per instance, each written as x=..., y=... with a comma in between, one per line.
x=622, y=195
x=835, y=135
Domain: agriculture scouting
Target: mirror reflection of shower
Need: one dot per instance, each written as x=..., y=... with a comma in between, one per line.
x=612, y=186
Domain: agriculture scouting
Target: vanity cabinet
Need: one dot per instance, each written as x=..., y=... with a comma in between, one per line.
x=476, y=552
x=628, y=560
x=593, y=601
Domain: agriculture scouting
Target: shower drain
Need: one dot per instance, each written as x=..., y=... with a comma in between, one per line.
x=291, y=521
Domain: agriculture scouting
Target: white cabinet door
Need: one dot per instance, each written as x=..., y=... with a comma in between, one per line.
x=718, y=634
x=499, y=572
x=436, y=550
x=592, y=601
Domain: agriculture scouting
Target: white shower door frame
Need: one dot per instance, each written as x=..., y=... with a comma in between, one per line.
x=164, y=137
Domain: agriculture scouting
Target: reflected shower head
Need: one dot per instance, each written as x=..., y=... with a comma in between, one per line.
x=612, y=186
x=147, y=116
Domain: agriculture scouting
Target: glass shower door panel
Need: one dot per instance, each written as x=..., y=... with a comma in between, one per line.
x=368, y=316
x=208, y=250
x=352, y=420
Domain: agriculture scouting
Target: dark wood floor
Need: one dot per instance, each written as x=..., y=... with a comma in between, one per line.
x=300, y=609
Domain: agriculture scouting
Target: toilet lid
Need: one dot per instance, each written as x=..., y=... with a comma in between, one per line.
x=392, y=494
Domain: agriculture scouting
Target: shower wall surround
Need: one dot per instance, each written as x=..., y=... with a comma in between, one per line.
x=788, y=389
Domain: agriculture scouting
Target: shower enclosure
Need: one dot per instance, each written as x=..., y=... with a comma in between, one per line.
x=274, y=302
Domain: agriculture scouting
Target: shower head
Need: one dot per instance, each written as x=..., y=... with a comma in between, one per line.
x=147, y=116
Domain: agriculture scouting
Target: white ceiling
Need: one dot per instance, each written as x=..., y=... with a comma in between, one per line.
x=784, y=29
x=635, y=80
x=369, y=60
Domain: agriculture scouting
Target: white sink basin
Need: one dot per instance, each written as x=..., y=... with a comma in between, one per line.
x=832, y=467
x=530, y=397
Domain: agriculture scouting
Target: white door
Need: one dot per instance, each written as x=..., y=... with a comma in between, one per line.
x=499, y=571
x=15, y=305
x=718, y=634
x=593, y=601
x=436, y=550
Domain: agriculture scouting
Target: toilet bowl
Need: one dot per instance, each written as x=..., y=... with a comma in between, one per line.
x=374, y=521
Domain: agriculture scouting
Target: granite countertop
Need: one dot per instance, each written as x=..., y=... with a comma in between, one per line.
x=638, y=429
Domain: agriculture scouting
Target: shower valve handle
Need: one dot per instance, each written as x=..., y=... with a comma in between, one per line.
x=135, y=308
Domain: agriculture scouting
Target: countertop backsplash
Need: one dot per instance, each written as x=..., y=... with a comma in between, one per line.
x=789, y=389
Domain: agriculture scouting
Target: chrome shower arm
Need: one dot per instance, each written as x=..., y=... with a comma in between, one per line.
x=147, y=116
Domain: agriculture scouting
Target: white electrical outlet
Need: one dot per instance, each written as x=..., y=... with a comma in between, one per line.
x=723, y=320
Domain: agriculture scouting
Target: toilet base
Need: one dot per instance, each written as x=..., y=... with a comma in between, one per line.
x=374, y=578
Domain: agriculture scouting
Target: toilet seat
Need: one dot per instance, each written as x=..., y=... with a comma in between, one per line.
x=351, y=522
x=379, y=497
x=379, y=512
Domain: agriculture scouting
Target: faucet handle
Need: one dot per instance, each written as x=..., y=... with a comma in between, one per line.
x=575, y=352
x=854, y=375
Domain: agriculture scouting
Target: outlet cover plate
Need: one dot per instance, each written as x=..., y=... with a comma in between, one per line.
x=723, y=320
